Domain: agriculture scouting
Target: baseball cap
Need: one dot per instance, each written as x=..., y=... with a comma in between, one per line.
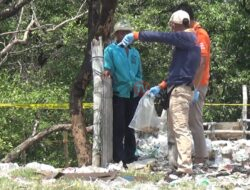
x=178, y=16
x=122, y=25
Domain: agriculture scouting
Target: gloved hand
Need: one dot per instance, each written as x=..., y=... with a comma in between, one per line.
x=195, y=96
x=127, y=40
x=154, y=90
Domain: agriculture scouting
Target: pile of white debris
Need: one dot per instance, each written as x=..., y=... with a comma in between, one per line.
x=229, y=163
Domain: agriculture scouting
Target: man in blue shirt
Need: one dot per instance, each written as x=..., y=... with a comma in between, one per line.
x=185, y=61
x=123, y=65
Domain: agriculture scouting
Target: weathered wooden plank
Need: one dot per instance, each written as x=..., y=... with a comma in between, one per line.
x=228, y=132
x=225, y=130
x=107, y=123
x=102, y=152
x=97, y=59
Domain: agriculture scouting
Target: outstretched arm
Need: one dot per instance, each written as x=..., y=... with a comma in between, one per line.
x=178, y=39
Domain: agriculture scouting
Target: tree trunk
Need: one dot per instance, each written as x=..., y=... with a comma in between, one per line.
x=100, y=22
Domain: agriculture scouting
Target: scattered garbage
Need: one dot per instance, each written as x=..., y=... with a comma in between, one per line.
x=202, y=181
x=231, y=152
x=153, y=146
x=41, y=167
x=7, y=167
x=229, y=166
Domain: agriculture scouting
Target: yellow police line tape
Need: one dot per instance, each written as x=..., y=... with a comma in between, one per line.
x=43, y=106
x=85, y=105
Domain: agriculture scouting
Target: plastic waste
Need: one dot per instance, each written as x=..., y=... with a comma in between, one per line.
x=203, y=181
x=208, y=145
x=129, y=177
x=210, y=187
x=241, y=156
x=218, y=159
x=145, y=117
x=163, y=121
x=6, y=167
x=41, y=167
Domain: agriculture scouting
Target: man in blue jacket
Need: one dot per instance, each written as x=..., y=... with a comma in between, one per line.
x=185, y=61
x=123, y=65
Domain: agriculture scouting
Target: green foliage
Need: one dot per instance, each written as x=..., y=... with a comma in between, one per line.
x=8, y=184
x=230, y=57
x=26, y=173
x=230, y=49
x=41, y=72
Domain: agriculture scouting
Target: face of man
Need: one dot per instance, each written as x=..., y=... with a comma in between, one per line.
x=120, y=34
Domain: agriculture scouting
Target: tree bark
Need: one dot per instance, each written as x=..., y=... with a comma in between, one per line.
x=13, y=10
x=100, y=22
x=246, y=6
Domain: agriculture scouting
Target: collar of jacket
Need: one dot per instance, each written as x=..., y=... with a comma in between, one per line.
x=129, y=46
x=196, y=25
x=189, y=30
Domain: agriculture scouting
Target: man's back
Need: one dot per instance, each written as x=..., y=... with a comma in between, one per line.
x=204, y=42
x=186, y=55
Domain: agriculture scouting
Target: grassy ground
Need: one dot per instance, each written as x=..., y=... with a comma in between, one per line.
x=29, y=179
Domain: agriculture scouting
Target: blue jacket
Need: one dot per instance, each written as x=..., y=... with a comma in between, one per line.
x=186, y=55
x=125, y=69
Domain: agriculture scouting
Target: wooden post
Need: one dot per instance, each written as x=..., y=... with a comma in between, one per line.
x=107, y=122
x=102, y=151
x=97, y=59
x=244, y=109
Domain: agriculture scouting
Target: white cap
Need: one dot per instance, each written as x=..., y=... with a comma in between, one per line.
x=178, y=16
x=123, y=25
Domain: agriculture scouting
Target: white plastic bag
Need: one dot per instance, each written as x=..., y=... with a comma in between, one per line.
x=145, y=118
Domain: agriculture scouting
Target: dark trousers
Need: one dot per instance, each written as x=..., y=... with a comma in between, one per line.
x=124, y=144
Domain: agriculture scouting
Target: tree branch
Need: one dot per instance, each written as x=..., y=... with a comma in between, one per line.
x=36, y=125
x=80, y=9
x=65, y=22
x=19, y=22
x=31, y=28
x=4, y=59
x=18, y=41
x=34, y=138
x=13, y=10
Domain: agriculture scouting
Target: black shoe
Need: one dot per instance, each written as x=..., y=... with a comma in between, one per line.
x=130, y=160
x=125, y=166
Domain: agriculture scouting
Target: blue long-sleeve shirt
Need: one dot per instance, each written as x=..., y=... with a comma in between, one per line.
x=186, y=55
x=125, y=69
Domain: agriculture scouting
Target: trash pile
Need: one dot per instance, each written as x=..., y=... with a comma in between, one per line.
x=228, y=166
x=229, y=161
x=221, y=152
